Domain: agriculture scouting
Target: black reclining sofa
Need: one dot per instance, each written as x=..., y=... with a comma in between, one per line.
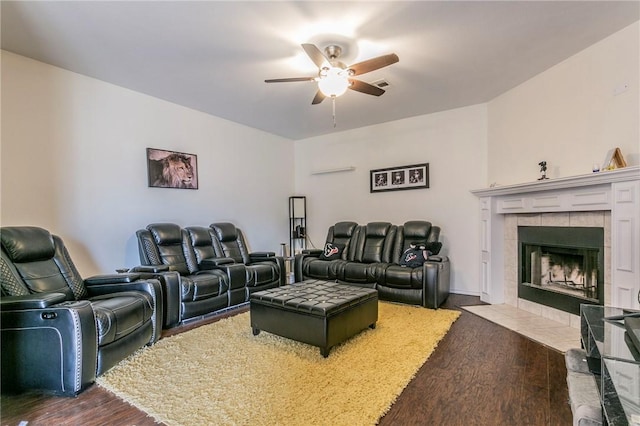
x=60, y=331
x=198, y=277
x=264, y=269
x=369, y=255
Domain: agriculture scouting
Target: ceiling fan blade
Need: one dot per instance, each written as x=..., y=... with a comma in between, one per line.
x=374, y=64
x=361, y=86
x=318, y=98
x=315, y=54
x=287, y=80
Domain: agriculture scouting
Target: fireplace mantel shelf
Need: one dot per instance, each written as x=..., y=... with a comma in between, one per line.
x=618, y=175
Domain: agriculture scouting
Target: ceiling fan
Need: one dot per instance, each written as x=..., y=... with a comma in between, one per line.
x=334, y=77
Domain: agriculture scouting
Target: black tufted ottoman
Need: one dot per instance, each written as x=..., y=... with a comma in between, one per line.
x=319, y=313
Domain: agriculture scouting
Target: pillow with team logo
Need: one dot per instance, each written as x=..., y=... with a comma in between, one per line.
x=414, y=256
x=332, y=251
x=418, y=253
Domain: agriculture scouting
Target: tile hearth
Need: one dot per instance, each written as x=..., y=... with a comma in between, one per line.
x=542, y=330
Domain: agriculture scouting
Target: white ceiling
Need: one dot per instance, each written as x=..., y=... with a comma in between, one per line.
x=214, y=56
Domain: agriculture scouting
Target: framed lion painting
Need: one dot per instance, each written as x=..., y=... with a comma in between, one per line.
x=170, y=169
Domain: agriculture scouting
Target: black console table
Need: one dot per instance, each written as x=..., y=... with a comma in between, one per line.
x=613, y=359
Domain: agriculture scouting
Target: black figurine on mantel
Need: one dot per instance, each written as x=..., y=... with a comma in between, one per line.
x=543, y=170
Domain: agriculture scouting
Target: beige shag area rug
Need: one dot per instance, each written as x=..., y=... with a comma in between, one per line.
x=220, y=374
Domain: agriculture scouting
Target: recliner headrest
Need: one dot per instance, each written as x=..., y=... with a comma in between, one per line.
x=344, y=229
x=417, y=229
x=377, y=229
x=27, y=243
x=165, y=233
x=225, y=231
x=199, y=235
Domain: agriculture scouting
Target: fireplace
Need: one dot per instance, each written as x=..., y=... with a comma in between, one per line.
x=610, y=201
x=561, y=267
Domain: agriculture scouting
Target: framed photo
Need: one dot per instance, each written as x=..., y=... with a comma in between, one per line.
x=415, y=176
x=170, y=169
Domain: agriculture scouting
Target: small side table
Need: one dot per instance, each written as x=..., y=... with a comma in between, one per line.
x=289, y=264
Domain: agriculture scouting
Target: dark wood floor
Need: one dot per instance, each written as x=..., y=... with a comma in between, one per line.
x=480, y=374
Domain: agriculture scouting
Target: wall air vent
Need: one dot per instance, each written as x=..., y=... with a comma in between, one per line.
x=383, y=84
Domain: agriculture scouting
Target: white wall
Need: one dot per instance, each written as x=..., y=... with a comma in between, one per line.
x=73, y=158
x=73, y=162
x=569, y=115
x=454, y=144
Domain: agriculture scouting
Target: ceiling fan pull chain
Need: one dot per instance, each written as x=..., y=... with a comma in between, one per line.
x=333, y=98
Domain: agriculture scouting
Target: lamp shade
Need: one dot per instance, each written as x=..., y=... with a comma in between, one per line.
x=334, y=83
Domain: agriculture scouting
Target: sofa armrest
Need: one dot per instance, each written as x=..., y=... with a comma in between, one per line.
x=150, y=268
x=149, y=286
x=261, y=254
x=235, y=275
x=435, y=281
x=215, y=262
x=52, y=349
x=112, y=278
x=298, y=262
x=31, y=301
x=98, y=288
x=312, y=252
x=170, y=282
x=271, y=257
x=437, y=258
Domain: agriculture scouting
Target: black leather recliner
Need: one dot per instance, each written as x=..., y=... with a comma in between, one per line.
x=426, y=285
x=59, y=331
x=201, y=244
x=308, y=264
x=371, y=254
x=264, y=269
x=195, y=292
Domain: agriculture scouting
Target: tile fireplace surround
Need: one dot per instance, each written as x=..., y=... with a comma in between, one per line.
x=610, y=200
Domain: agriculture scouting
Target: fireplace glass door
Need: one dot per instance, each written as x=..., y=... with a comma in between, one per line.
x=561, y=267
x=571, y=271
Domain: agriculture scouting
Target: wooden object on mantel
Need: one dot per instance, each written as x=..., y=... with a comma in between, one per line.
x=614, y=160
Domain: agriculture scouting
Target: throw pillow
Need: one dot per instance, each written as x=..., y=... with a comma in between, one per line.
x=418, y=253
x=332, y=251
x=414, y=256
x=434, y=247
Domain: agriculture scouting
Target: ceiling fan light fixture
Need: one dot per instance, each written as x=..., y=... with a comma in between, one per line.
x=333, y=82
x=334, y=77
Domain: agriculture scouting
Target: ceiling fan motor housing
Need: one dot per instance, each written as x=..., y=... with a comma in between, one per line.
x=333, y=51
